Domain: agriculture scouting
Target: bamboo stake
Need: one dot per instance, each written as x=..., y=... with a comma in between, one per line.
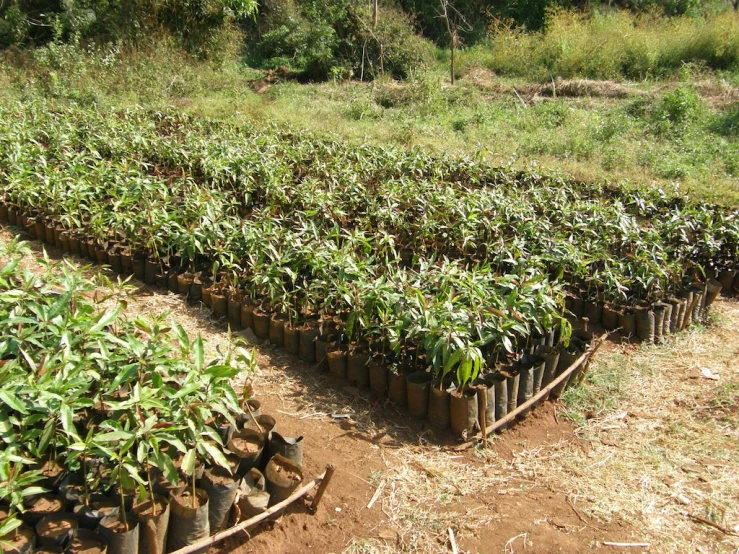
x=529, y=403
x=251, y=522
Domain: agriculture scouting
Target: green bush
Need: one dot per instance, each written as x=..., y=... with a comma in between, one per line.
x=196, y=22
x=319, y=40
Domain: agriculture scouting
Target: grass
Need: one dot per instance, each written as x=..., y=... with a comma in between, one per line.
x=681, y=133
x=663, y=440
x=611, y=44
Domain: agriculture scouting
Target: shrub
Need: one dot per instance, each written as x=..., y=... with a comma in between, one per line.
x=318, y=40
x=610, y=45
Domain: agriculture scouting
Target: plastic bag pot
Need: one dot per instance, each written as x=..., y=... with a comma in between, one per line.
x=689, y=297
x=500, y=387
x=357, y=372
x=658, y=309
x=594, y=312
x=56, y=529
x=253, y=496
x=291, y=339
x=578, y=307
x=88, y=517
x=58, y=230
x=139, y=268
x=12, y=216
x=726, y=278
x=486, y=392
x=121, y=540
x=549, y=371
x=150, y=271
x=289, y=448
x=221, y=488
x=101, y=257
x=187, y=523
x=337, y=362
x=173, y=284
x=247, y=444
x=247, y=315
x=512, y=383
x=645, y=324
x=525, y=386
x=321, y=347
x=184, y=282
x=463, y=412
x=283, y=477
x=397, y=388
x=567, y=356
x=196, y=289
x=160, y=281
x=307, y=343
x=90, y=250
x=64, y=239
x=126, y=259
x=219, y=304
x=261, y=324
x=713, y=288
x=3, y=212
x=153, y=525
x=417, y=389
x=233, y=303
x=264, y=423
x=439, y=412
x=378, y=379
x=277, y=329
x=627, y=323
x=609, y=319
x=114, y=260
x=86, y=541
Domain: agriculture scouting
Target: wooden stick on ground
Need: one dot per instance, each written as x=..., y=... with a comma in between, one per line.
x=330, y=468
x=705, y=521
x=452, y=541
x=251, y=522
x=628, y=544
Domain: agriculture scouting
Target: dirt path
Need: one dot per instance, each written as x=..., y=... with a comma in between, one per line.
x=659, y=442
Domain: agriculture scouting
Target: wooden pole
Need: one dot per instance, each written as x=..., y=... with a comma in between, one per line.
x=529, y=403
x=483, y=414
x=251, y=522
x=330, y=468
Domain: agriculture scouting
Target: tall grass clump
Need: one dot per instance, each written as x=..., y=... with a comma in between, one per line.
x=610, y=45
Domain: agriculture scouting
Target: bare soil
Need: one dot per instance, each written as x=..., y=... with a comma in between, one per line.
x=45, y=504
x=55, y=527
x=85, y=545
x=286, y=472
x=626, y=472
x=249, y=445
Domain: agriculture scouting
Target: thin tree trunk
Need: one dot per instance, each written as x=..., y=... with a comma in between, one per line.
x=451, y=63
x=374, y=14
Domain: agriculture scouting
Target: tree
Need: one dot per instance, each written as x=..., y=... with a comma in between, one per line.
x=455, y=22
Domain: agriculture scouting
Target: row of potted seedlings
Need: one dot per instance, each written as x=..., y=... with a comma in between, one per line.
x=359, y=361
x=124, y=439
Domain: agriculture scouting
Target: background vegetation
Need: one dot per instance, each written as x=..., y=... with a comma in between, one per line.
x=664, y=109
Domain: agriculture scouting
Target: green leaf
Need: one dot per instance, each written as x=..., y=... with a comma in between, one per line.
x=188, y=462
x=67, y=418
x=216, y=454
x=12, y=401
x=105, y=319
x=199, y=353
